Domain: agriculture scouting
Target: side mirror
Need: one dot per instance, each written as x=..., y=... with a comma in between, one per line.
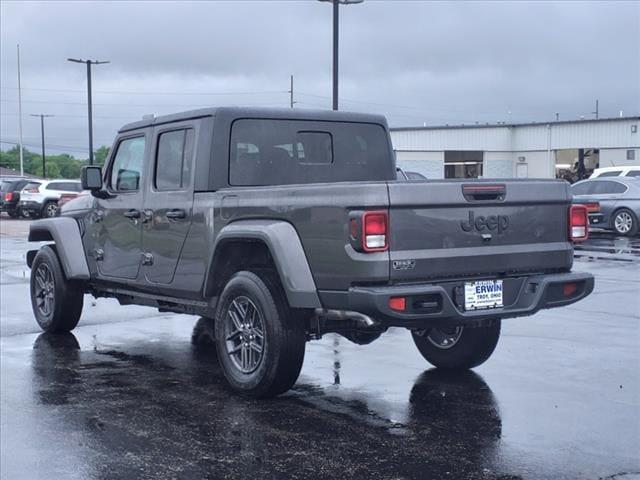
x=91, y=178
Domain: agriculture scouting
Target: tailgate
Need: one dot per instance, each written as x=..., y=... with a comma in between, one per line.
x=443, y=229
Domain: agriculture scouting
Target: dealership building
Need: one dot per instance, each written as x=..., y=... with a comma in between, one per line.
x=525, y=150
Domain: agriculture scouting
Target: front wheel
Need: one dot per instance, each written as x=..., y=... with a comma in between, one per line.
x=259, y=340
x=457, y=347
x=56, y=301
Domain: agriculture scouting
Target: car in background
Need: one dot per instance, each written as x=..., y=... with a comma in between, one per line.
x=10, y=195
x=41, y=200
x=613, y=203
x=631, y=171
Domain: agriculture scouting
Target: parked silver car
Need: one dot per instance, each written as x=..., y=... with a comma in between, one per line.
x=613, y=203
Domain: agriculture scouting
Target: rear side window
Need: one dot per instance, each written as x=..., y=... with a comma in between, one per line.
x=173, y=160
x=633, y=173
x=606, y=187
x=31, y=186
x=280, y=152
x=57, y=186
x=126, y=169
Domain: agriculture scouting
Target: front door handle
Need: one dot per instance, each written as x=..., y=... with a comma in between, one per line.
x=132, y=214
x=176, y=214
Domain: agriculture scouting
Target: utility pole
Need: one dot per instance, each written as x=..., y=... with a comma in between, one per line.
x=596, y=112
x=336, y=38
x=557, y=116
x=20, y=115
x=42, y=117
x=291, y=102
x=89, y=104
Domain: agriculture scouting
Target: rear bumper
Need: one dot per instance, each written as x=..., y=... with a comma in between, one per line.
x=596, y=219
x=29, y=206
x=443, y=304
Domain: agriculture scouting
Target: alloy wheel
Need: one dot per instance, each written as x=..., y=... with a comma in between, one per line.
x=623, y=222
x=44, y=290
x=244, y=334
x=445, y=337
x=51, y=210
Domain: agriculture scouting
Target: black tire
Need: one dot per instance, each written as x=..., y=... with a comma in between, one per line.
x=472, y=345
x=283, y=336
x=14, y=213
x=203, y=335
x=56, y=302
x=49, y=209
x=623, y=227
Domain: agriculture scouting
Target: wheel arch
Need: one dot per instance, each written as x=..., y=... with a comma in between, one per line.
x=267, y=242
x=65, y=233
x=616, y=210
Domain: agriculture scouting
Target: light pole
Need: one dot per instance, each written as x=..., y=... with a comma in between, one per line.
x=42, y=116
x=89, y=63
x=336, y=38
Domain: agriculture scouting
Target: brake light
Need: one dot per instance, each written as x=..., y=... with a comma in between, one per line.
x=8, y=196
x=578, y=223
x=374, y=231
x=593, y=207
x=568, y=289
x=398, y=303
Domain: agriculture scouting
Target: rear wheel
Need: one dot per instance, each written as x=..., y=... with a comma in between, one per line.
x=56, y=301
x=13, y=213
x=457, y=347
x=259, y=340
x=625, y=222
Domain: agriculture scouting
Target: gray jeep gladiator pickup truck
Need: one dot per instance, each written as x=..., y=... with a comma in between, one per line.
x=282, y=225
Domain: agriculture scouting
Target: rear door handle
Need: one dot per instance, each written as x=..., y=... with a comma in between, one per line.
x=132, y=214
x=176, y=214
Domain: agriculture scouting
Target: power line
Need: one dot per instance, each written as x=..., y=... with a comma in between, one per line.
x=114, y=92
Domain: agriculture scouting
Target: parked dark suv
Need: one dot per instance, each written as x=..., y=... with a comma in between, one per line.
x=279, y=226
x=10, y=195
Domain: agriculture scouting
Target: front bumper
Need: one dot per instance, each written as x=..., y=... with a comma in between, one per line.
x=443, y=303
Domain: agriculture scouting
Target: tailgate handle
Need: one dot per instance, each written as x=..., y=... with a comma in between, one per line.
x=483, y=192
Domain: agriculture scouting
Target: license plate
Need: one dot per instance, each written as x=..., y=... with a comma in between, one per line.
x=483, y=294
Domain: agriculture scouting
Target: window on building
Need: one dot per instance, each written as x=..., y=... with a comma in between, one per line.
x=631, y=154
x=463, y=164
x=173, y=159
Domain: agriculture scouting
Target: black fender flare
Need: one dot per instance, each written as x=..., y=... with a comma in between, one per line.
x=65, y=233
x=286, y=250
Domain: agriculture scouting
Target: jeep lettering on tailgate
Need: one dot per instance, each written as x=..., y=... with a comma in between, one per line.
x=480, y=223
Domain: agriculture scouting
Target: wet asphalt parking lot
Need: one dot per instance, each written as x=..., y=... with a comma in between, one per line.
x=127, y=395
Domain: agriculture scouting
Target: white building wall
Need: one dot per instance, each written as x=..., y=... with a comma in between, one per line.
x=616, y=157
x=429, y=164
x=504, y=144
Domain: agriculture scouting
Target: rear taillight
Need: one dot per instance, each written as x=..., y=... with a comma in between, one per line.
x=593, y=207
x=374, y=238
x=8, y=196
x=578, y=223
x=369, y=231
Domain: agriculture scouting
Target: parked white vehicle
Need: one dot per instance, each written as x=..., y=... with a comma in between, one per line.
x=631, y=171
x=42, y=200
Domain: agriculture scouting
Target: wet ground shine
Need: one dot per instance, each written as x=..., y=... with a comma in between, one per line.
x=127, y=396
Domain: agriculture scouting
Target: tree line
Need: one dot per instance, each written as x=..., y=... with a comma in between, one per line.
x=58, y=166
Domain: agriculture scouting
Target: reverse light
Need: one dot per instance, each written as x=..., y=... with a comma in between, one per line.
x=374, y=231
x=578, y=223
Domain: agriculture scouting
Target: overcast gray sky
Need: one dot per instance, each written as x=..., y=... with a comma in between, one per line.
x=413, y=61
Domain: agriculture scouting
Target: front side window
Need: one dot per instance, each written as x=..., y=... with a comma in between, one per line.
x=56, y=186
x=611, y=173
x=173, y=160
x=126, y=168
